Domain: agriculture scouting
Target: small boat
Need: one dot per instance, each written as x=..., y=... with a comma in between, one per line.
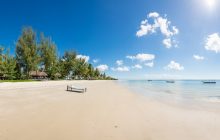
x=149, y=80
x=209, y=82
x=170, y=81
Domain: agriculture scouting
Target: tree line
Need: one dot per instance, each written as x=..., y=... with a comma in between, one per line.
x=33, y=54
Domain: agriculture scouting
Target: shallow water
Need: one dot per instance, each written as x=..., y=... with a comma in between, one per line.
x=182, y=92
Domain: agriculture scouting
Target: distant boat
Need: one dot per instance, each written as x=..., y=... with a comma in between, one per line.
x=209, y=82
x=149, y=80
x=170, y=81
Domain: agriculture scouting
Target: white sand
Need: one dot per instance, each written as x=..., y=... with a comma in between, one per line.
x=45, y=111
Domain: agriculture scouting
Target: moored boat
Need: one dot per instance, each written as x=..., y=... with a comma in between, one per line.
x=170, y=81
x=209, y=82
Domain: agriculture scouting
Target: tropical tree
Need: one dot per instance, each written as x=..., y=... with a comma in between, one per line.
x=48, y=55
x=1, y=60
x=7, y=65
x=68, y=64
x=27, y=52
x=1, y=54
x=10, y=65
x=31, y=55
x=81, y=69
x=104, y=76
x=91, y=72
x=97, y=73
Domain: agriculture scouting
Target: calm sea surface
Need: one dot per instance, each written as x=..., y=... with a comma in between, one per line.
x=191, y=92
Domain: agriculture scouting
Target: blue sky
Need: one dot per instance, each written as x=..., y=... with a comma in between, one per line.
x=182, y=39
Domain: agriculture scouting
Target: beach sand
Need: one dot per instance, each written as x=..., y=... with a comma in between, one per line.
x=107, y=111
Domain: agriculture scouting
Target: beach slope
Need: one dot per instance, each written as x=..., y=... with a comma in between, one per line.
x=107, y=111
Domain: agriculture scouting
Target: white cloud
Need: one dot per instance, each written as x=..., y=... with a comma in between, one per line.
x=151, y=64
x=145, y=28
x=175, y=30
x=102, y=68
x=142, y=57
x=121, y=69
x=165, y=25
x=213, y=43
x=161, y=24
x=86, y=58
x=137, y=66
x=197, y=57
x=153, y=14
x=119, y=62
x=143, y=22
x=174, y=66
x=167, y=42
x=95, y=60
x=131, y=57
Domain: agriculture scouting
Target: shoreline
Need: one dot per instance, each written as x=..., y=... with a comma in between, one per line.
x=208, y=104
x=107, y=111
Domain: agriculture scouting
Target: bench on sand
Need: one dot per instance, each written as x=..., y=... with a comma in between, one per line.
x=76, y=88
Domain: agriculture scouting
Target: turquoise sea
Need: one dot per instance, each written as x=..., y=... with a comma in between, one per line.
x=182, y=92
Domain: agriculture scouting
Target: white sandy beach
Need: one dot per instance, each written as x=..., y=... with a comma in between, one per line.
x=107, y=111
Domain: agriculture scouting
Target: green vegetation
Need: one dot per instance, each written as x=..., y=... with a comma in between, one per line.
x=36, y=56
x=7, y=65
x=27, y=57
x=14, y=81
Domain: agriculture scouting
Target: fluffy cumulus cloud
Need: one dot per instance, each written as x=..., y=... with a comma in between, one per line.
x=102, y=68
x=119, y=62
x=137, y=66
x=174, y=66
x=121, y=69
x=153, y=15
x=197, y=57
x=213, y=43
x=142, y=57
x=95, y=60
x=167, y=42
x=161, y=24
x=86, y=58
x=150, y=64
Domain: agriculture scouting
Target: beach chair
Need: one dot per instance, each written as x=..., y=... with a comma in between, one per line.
x=76, y=88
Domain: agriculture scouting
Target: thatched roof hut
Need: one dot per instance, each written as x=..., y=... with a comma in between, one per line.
x=38, y=74
x=57, y=75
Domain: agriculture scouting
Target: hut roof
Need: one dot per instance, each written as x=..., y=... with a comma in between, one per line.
x=57, y=74
x=38, y=73
x=43, y=73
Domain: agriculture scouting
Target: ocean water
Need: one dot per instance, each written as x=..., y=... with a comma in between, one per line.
x=183, y=92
